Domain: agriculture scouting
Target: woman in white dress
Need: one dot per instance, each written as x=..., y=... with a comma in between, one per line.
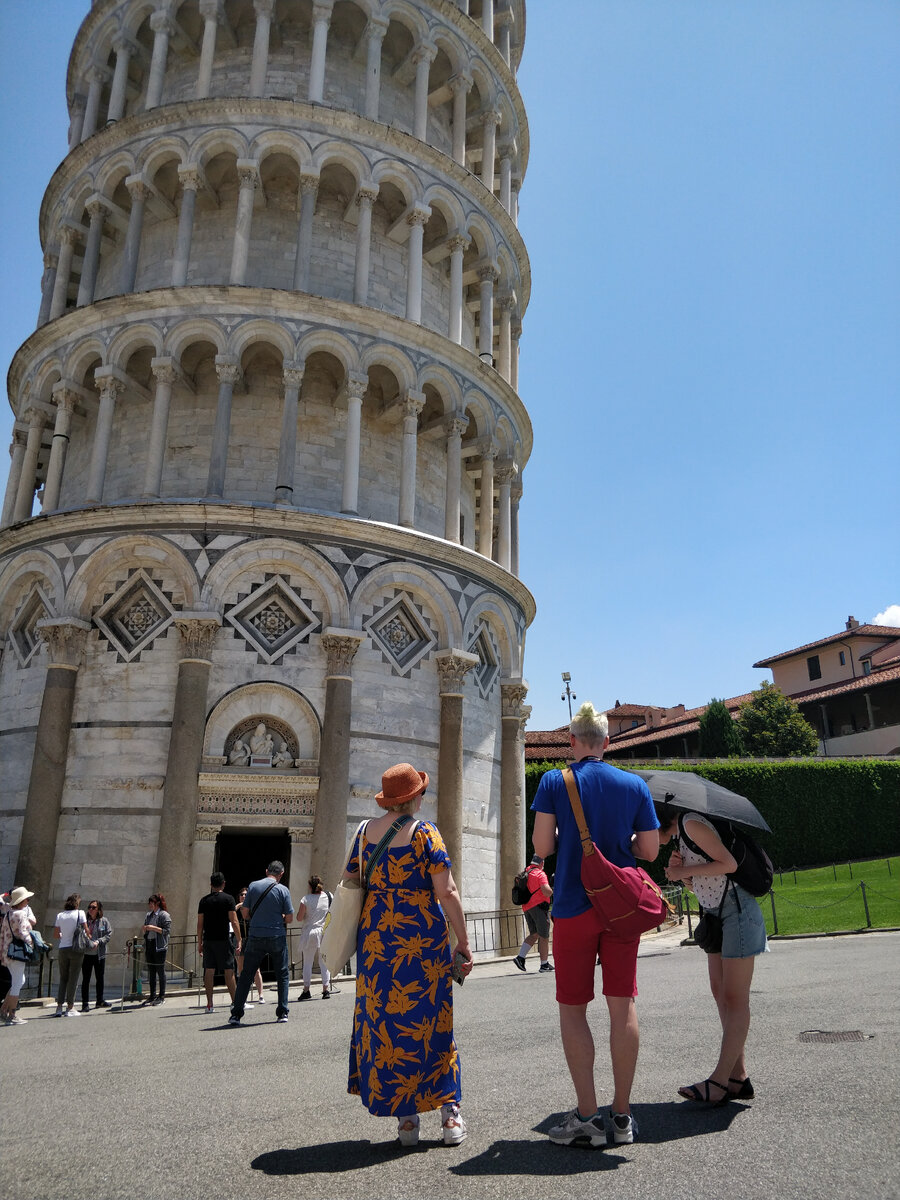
x=313, y=911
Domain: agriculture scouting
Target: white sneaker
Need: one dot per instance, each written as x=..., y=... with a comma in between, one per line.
x=261, y=1000
x=408, y=1130
x=14, y=1020
x=72, y=1012
x=247, y=1004
x=624, y=1127
x=453, y=1126
x=575, y=1132
x=209, y=1008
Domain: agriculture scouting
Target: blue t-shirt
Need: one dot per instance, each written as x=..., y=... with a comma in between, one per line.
x=616, y=804
x=267, y=920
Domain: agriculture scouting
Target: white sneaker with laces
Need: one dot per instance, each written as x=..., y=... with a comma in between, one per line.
x=575, y=1132
x=453, y=1126
x=624, y=1128
x=408, y=1130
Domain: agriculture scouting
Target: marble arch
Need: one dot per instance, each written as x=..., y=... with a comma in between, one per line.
x=423, y=585
x=263, y=698
x=154, y=553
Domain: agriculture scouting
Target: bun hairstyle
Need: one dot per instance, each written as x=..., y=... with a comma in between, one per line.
x=589, y=726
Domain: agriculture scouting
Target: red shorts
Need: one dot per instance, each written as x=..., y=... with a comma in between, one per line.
x=577, y=943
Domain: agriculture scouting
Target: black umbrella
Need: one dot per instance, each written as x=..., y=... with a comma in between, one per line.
x=684, y=789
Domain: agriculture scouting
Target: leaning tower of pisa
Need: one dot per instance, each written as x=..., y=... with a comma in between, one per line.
x=260, y=537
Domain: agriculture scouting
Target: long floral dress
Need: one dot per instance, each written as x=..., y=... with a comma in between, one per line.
x=403, y=1056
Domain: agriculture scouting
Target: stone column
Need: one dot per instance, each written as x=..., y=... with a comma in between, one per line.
x=515, y=493
x=512, y=785
x=460, y=86
x=458, y=245
x=178, y=818
x=412, y=406
x=488, y=276
x=329, y=838
x=354, y=390
x=28, y=478
x=76, y=124
x=260, y=63
x=248, y=174
x=110, y=389
x=503, y=22
x=489, y=122
x=64, y=638
x=165, y=375
x=96, y=77
x=365, y=198
x=375, y=31
x=505, y=475
x=455, y=427
x=97, y=211
x=229, y=372
x=423, y=57
x=65, y=406
x=287, y=447
x=190, y=184
x=506, y=305
x=516, y=333
x=163, y=27
x=67, y=239
x=211, y=12
x=416, y=221
x=138, y=191
x=452, y=666
x=124, y=48
x=487, y=18
x=48, y=281
x=515, y=188
x=309, y=186
x=17, y=459
x=321, y=21
x=486, y=518
x=506, y=178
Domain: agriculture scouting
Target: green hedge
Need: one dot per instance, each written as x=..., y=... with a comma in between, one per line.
x=820, y=810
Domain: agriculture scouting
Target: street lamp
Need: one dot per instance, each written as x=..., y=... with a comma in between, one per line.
x=568, y=694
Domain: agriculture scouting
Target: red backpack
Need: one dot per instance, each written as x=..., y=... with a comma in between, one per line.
x=626, y=898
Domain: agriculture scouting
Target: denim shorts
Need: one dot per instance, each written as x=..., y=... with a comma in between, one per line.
x=743, y=927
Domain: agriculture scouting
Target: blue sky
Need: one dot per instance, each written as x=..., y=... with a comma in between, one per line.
x=711, y=355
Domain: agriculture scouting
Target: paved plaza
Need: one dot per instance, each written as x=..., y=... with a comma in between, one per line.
x=171, y=1103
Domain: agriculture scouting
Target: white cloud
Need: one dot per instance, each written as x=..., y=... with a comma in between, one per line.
x=890, y=616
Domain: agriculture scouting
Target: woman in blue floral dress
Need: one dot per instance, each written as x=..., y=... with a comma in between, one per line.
x=403, y=1056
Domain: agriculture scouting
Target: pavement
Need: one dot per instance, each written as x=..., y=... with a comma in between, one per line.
x=170, y=1102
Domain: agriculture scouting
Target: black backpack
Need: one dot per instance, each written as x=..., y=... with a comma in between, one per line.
x=754, y=871
x=521, y=892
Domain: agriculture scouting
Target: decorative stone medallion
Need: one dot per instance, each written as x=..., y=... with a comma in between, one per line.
x=488, y=668
x=23, y=631
x=272, y=619
x=401, y=633
x=134, y=615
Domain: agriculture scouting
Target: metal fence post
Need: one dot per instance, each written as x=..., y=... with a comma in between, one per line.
x=774, y=915
x=862, y=888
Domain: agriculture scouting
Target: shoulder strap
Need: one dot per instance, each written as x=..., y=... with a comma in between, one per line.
x=587, y=842
x=383, y=845
x=258, y=902
x=688, y=840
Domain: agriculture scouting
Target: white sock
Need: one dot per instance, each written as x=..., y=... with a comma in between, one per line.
x=524, y=948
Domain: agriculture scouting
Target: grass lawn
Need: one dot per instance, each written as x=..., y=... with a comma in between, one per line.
x=829, y=899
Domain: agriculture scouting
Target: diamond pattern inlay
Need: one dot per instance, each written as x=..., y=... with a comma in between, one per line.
x=23, y=632
x=488, y=661
x=401, y=634
x=272, y=618
x=134, y=615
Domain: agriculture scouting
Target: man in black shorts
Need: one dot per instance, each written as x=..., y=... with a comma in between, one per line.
x=216, y=919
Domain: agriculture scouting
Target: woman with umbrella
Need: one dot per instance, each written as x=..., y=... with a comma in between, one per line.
x=702, y=861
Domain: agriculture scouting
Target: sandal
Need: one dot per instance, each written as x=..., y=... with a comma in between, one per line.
x=744, y=1091
x=694, y=1092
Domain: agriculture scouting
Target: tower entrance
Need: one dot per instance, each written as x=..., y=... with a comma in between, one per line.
x=242, y=855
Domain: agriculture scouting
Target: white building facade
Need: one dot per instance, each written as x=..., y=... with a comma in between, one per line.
x=260, y=536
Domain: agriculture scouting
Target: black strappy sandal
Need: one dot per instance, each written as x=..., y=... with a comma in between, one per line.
x=745, y=1089
x=693, y=1092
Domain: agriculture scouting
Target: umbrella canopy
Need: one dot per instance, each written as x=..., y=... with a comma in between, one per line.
x=684, y=789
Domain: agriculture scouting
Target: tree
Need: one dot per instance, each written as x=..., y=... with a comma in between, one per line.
x=720, y=737
x=772, y=725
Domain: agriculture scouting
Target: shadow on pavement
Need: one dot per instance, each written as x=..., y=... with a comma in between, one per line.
x=333, y=1157
x=679, y=1119
x=528, y=1157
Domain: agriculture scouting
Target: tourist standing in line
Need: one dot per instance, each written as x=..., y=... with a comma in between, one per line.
x=99, y=931
x=216, y=921
x=312, y=912
x=16, y=920
x=69, y=956
x=268, y=910
x=156, y=930
x=621, y=819
x=239, y=953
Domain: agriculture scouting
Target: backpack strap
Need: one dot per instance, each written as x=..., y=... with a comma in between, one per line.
x=587, y=842
x=383, y=845
x=689, y=841
x=258, y=902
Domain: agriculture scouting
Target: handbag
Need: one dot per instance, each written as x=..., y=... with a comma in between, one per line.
x=342, y=922
x=80, y=939
x=626, y=899
x=708, y=930
x=18, y=949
